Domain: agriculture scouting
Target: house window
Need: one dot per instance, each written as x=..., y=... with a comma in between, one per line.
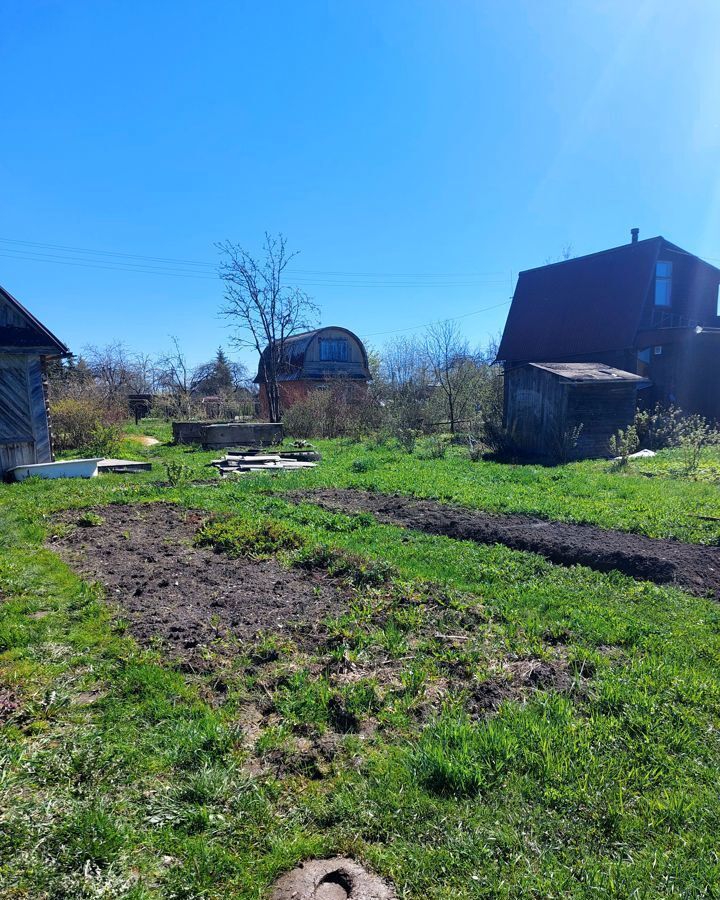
x=657, y=350
x=333, y=350
x=663, y=283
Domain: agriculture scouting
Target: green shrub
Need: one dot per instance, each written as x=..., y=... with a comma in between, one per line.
x=86, y=424
x=694, y=434
x=362, y=465
x=406, y=438
x=434, y=447
x=658, y=428
x=257, y=539
x=104, y=440
x=475, y=449
x=624, y=443
x=177, y=472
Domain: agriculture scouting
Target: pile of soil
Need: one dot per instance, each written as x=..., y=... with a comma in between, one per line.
x=185, y=595
x=693, y=567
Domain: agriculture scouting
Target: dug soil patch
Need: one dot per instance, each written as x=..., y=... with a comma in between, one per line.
x=692, y=567
x=184, y=595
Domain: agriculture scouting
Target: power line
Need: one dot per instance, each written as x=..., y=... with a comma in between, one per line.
x=438, y=321
x=212, y=267
x=147, y=269
x=142, y=269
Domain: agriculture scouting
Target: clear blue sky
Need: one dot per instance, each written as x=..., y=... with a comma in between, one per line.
x=418, y=153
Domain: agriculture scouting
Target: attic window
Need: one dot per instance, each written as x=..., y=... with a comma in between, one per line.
x=335, y=350
x=663, y=283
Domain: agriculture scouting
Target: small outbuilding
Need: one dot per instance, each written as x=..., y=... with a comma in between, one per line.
x=315, y=360
x=25, y=345
x=562, y=411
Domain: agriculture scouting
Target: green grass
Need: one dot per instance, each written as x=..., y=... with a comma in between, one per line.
x=123, y=777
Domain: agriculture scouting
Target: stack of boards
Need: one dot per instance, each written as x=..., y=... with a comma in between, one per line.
x=239, y=462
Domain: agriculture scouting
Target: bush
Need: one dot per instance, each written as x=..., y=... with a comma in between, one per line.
x=658, y=428
x=406, y=438
x=623, y=443
x=694, y=434
x=435, y=446
x=501, y=442
x=86, y=424
x=362, y=465
x=177, y=472
x=667, y=427
x=475, y=448
x=344, y=410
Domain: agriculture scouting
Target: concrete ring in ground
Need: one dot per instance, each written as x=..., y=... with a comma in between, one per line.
x=331, y=879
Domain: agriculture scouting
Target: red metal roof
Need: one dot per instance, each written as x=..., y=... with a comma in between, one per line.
x=590, y=304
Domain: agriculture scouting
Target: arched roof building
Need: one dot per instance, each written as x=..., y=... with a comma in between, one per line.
x=316, y=359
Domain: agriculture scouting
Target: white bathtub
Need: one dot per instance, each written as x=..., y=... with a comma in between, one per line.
x=66, y=468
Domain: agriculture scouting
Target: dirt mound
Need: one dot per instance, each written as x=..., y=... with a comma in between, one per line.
x=185, y=595
x=331, y=879
x=692, y=567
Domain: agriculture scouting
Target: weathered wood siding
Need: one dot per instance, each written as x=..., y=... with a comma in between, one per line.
x=542, y=410
x=534, y=409
x=10, y=316
x=601, y=409
x=24, y=432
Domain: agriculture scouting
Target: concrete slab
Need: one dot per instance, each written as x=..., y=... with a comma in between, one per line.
x=123, y=465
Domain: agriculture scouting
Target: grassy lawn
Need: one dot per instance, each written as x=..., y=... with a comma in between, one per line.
x=475, y=723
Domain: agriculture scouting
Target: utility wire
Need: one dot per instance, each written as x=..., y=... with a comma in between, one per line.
x=475, y=312
x=212, y=267
x=143, y=269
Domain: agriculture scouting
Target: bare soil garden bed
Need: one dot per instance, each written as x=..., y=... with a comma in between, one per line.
x=188, y=596
x=693, y=567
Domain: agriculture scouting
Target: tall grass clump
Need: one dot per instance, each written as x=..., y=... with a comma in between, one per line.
x=456, y=757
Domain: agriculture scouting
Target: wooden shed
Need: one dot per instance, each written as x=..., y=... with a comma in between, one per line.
x=547, y=403
x=25, y=344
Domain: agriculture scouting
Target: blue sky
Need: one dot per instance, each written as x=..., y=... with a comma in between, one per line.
x=418, y=154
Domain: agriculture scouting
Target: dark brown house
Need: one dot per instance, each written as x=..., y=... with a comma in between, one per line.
x=563, y=411
x=313, y=360
x=25, y=345
x=648, y=307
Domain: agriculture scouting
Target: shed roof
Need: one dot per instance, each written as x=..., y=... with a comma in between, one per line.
x=294, y=350
x=31, y=335
x=589, y=373
x=587, y=305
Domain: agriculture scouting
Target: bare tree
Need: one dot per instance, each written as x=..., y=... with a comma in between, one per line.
x=176, y=375
x=402, y=383
x=452, y=366
x=266, y=311
x=112, y=368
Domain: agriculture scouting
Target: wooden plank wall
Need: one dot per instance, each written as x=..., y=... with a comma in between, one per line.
x=541, y=410
x=24, y=431
x=535, y=409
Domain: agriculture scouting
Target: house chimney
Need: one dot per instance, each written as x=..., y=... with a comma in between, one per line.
x=634, y=232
